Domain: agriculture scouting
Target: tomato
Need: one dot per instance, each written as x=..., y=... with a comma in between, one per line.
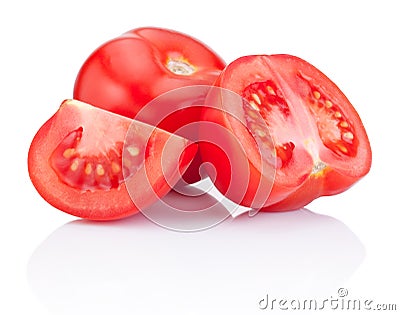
x=101, y=166
x=127, y=72
x=288, y=117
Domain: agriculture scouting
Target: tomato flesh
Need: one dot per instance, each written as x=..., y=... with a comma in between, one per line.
x=77, y=166
x=263, y=100
x=300, y=117
x=101, y=166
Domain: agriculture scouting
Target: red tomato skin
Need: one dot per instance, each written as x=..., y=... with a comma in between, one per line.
x=127, y=72
x=287, y=194
x=102, y=205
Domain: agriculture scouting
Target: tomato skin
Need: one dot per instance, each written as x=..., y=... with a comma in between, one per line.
x=127, y=72
x=145, y=187
x=331, y=183
x=320, y=142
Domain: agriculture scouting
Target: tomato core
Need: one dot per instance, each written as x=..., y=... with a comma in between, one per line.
x=180, y=67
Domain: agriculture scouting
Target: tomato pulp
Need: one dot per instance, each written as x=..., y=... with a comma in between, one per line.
x=127, y=72
x=291, y=118
x=102, y=166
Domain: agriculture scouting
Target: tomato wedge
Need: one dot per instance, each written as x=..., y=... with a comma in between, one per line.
x=292, y=118
x=101, y=166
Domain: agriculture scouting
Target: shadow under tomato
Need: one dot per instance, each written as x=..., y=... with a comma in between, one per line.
x=134, y=266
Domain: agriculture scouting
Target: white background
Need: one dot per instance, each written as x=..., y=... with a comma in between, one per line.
x=51, y=266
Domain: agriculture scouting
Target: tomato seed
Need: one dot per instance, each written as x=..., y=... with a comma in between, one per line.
x=88, y=169
x=133, y=151
x=74, y=165
x=328, y=104
x=317, y=95
x=342, y=148
x=100, y=170
x=256, y=98
x=254, y=106
x=270, y=90
x=68, y=153
x=348, y=135
x=115, y=167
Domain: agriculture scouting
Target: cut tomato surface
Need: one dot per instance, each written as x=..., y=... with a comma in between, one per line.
x=292, y=118
x=101, y=166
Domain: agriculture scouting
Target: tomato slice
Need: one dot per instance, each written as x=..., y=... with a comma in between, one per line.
x=101, y=166
x=298, y=115
x=126, y=73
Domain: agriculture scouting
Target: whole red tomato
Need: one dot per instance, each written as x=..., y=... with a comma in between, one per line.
x=127, y=72
x=291, y=134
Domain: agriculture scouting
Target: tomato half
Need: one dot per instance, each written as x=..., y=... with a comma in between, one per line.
x=101, y=166
x=127, y=72
x=291, y=118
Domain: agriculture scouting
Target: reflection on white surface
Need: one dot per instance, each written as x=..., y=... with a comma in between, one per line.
x=192, y=209
x=133, y=266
